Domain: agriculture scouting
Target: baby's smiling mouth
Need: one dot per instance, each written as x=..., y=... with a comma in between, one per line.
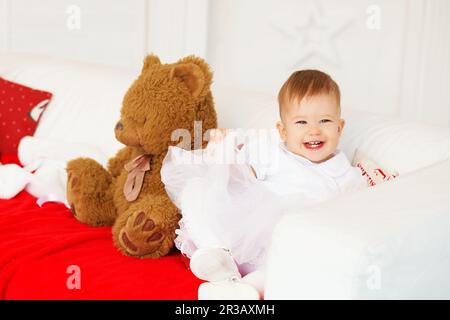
x=314, y=145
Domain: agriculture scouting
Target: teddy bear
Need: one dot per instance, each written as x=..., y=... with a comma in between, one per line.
x=165, y=104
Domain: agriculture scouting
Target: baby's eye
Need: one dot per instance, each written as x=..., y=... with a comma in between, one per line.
x=301, y=122
x=325, y=120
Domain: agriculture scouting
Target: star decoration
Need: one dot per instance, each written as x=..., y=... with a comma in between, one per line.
x=315, y=34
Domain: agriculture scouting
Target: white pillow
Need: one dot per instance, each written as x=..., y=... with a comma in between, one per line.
x=34, y=149
x=396, y=145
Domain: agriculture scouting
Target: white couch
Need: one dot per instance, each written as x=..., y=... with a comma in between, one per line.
x=390, y=241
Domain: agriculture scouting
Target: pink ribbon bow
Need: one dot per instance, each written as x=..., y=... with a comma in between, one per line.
x=136, y=171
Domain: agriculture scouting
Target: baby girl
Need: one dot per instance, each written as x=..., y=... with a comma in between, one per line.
x=229, y=210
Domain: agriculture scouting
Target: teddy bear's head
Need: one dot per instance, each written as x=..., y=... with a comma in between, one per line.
x=166, y=104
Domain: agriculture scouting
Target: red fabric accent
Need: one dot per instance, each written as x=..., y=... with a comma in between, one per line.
x=20, y=110
x=7, y=158
x=38, y=245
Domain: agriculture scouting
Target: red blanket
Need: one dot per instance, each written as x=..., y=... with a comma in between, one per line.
x=45, y=253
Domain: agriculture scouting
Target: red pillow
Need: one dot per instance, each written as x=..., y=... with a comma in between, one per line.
x=20, y=110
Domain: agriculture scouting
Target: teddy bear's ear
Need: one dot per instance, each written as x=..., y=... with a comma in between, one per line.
x=149, y=61
x=204, y=67
x=192, y=76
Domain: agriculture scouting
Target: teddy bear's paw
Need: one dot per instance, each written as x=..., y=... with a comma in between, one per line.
x=88, y=192
x=73, y=194
x=141, y=236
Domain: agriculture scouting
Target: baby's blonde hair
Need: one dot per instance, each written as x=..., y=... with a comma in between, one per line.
x=306, y=83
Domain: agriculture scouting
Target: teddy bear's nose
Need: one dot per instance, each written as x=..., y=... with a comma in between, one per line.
x=119, y=126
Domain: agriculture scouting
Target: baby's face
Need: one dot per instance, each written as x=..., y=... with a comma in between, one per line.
x=312, y=128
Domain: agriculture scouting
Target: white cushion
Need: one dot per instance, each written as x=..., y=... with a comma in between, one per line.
x=396, y=145
x=34, y=149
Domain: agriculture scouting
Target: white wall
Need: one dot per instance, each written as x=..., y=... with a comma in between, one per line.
x=402, y=68
x=110, y=32
x=114, y=32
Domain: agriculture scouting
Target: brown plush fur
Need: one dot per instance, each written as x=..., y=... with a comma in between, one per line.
x=165, y=97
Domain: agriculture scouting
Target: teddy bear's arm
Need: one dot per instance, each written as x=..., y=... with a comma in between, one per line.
x=115, y=165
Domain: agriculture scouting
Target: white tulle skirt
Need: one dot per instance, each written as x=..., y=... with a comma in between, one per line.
x=221, y=202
